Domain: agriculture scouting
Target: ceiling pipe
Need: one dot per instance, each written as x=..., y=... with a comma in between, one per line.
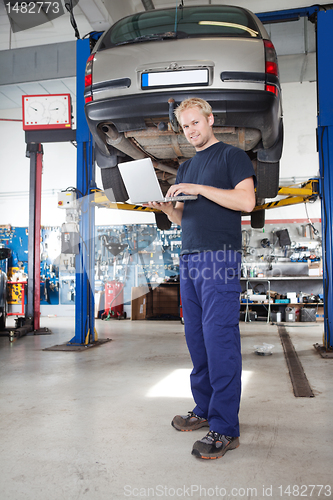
x=148, y=4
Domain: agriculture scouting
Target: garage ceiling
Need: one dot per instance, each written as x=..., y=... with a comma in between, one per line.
x=289, y=38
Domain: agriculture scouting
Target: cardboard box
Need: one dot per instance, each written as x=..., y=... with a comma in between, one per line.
x=141, y=302
x=159, y=301
x=165, y=292
x=166, y=300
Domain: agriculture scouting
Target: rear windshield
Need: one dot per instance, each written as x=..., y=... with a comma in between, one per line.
x=209, y=20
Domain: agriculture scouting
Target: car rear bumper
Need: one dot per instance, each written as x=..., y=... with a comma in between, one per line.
x=235, y=108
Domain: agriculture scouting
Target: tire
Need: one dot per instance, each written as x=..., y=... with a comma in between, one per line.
x=162, y=221
x=113, y=184
x=258, y=219
x=267, y=179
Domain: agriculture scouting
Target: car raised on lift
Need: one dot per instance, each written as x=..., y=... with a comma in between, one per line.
x=148, y=62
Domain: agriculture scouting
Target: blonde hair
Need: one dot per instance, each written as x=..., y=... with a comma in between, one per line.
x=194, y=102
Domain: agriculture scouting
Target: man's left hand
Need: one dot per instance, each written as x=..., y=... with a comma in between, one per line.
x=184, y=188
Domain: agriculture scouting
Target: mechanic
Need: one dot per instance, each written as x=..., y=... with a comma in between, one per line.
x=223, y=178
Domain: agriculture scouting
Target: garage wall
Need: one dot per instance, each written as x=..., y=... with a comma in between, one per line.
x=299, y=162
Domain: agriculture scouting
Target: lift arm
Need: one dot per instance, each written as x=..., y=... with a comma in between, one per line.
x=101, y=200
x=294, y=195
x=306, y=192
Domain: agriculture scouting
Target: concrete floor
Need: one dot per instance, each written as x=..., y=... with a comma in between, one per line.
x=95, y=425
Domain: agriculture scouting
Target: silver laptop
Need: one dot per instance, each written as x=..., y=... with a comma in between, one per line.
x=142, y=185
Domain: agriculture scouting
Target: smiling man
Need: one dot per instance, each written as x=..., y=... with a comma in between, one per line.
x=223, y=178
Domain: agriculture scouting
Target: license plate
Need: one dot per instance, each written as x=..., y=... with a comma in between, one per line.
x=174, y=78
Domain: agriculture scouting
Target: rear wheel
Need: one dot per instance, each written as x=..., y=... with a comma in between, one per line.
x=258, y=219
x=162, y=221
x=113, y=184
x=267, y=179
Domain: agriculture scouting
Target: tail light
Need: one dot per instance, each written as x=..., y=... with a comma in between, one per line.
x=88, y=79
x=271, y=67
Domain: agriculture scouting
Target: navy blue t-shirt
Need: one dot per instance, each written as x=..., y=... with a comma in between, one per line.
x=205, y=224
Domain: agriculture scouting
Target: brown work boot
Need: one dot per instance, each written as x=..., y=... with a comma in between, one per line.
x=214, y=445
x=189, y=422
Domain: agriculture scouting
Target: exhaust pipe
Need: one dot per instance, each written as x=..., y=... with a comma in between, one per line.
x=119, y=141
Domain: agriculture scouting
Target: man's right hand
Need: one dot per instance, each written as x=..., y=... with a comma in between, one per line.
x=166, y=207
x=174, y=213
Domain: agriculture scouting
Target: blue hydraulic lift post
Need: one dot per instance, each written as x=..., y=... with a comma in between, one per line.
x=325, y=141
x=84, y=297
x=325, y=146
